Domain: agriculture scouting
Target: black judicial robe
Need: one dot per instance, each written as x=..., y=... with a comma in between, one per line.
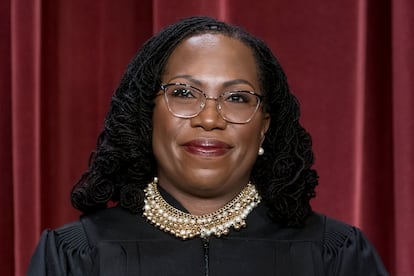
x=115, y=242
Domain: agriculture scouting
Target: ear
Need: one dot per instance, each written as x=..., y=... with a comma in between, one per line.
x=265, y=126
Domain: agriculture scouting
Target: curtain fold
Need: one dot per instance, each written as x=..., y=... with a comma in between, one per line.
x=403, y=134
x=375, y=148
x=6, y=200
x=349, y=62
x=26, y=126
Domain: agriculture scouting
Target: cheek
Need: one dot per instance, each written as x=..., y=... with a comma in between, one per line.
x=159, y=125
x=249, y=140
x=165, y=131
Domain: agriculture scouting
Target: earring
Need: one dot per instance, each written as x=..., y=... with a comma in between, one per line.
x=261, y=151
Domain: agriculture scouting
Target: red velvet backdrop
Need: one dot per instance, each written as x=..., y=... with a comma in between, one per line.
x=350, y=62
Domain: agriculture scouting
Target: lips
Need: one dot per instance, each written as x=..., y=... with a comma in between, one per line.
x=207, y=147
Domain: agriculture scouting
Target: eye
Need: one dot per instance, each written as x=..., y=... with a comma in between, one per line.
x=183, y=92
x=237, y=97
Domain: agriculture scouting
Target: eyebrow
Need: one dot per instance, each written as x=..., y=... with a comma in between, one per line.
x=225, y=84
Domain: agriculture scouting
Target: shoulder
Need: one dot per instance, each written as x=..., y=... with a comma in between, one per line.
x=73, y=247
x=78, y=234
x=71, y=235
x=332, y=234
x=319, y=229
x=108, y=224
x=345, y=248
x=60, y=249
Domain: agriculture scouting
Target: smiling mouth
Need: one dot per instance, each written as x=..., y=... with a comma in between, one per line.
x=207, y=148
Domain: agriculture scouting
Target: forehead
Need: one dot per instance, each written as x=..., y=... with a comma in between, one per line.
x=214, y=44
x=213, y=55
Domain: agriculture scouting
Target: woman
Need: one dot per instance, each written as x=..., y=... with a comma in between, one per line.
x=211, y=171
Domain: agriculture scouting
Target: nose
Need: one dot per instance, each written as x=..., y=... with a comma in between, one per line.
x=209, y=118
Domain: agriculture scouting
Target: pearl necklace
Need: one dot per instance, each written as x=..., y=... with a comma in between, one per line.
x=183, y=225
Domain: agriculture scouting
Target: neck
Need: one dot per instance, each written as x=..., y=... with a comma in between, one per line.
x=198, y=203
x=201, y=206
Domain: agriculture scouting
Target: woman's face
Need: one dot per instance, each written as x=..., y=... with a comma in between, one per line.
x=206, y=156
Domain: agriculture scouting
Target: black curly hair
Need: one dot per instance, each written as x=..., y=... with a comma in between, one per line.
x=123, y=163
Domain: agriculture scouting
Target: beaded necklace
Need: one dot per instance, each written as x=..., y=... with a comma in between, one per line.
x=185, y=226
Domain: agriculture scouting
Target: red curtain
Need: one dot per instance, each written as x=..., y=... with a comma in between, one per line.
x=350, y=62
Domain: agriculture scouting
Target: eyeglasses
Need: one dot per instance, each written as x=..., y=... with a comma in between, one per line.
x=186, y=101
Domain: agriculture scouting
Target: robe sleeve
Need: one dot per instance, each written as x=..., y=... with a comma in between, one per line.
x=45, y=258
x=62, y=252
x=348, y=252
